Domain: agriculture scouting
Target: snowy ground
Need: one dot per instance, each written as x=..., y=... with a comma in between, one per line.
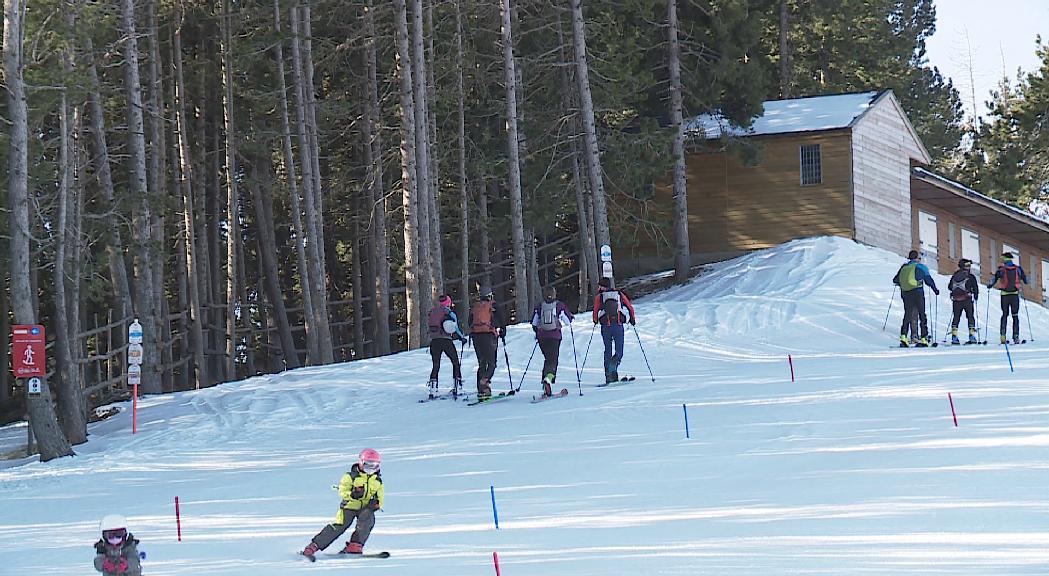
x=855, y=468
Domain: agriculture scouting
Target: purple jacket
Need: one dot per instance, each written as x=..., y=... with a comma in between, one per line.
x=563, y=315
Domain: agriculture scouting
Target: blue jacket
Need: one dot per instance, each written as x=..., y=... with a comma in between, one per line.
x=921, y=274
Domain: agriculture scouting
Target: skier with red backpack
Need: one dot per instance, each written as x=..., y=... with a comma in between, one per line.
x=612, y=308
x=547, y=320
x=443, y=325
x=965, y=291
x=486, y=324
x=1007, y=280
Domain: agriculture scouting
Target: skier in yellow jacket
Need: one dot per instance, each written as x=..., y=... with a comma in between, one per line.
x=362, y=496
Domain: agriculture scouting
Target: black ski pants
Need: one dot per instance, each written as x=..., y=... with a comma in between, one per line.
x=1011, y=307
x=486, y=346
x=365, y=523
x=551, y=348
x=914, y=317
x=963, y=306
x=444, y=346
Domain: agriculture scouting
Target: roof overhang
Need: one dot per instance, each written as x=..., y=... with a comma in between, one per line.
x=969, y=204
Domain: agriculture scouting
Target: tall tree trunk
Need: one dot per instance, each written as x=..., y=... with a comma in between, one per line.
x=593, y=152
x=189, y=235
x=51, y=441
x=485, y=231
x=140, y=194
x=100, y=151
x=5, y=328
x=380, y=251
x=430, y=285
x=309, y=309
x=311, y=125
x=436, y=237
x=233, y=239
x=315, y=248
x=464, y=192
x=268, y=256
x=408, y=179
x=785, y=64
x=358, y=286
x=158, y=186
x=71, y=409
x=682, y=252
x=513, y=149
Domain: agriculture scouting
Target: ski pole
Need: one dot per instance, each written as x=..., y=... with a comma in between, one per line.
x=527, y=364
x=987, y=316
x=1027, y=312
x=575, y=357
x=893, y=297
x=587, y=349
x=506, y=356
x=643, y=355
x=936, y=307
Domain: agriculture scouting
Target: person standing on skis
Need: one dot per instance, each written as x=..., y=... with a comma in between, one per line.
x=612, y=308
x=547, y=320
x=486, y=324
x=362, y=496
x=1007, y=279
x=116, y=554
x=912, y=278
x=443, y=325
x=965, y=291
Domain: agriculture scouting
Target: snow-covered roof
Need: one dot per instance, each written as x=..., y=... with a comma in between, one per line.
x=812, y=114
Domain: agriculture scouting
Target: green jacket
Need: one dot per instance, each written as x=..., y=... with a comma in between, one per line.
x=359, y=490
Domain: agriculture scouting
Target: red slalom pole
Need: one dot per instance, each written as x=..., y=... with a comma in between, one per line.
x=495, y=557
x=178, y=520
x=951, y=400
x=134, y=409
x=791, y=362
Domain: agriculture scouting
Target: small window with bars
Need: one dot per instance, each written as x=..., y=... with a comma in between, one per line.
x=811, y=165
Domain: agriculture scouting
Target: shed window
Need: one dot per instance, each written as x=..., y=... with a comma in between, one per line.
x=811, y=165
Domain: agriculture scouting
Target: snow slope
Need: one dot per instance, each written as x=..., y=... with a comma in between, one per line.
x=855, y=468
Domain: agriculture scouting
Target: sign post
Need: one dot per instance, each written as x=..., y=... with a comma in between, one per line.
x=134, y=368
x=606, y=260
x=29, y=360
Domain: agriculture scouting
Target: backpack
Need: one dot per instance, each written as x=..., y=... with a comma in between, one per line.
x=959, y=286
x=481, y=317
x=549, y=318
x=1010, y=279
x=611, y=303
x=435, y=322
x=908, y=277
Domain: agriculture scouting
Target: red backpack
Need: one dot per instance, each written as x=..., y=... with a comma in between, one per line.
x=481, y=317
x=1010, y=280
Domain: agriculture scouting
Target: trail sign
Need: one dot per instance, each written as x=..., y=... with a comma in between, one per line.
x=27, y=350
x=34, y=386
x=134, y=333
x=134, y=353
x=606, y=253
x=134, y=374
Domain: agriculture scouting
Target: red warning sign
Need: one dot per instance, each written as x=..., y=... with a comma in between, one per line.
x=27, y=350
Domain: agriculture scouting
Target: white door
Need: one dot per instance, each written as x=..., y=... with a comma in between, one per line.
x=1045, y=282
x=927, y=240
x=971, y=249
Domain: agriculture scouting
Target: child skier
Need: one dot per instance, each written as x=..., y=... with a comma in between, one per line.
x=116, y=553
x=965, y=291
x=362, y=496
x=486, y=324
x=912, y=278
x=611, y=309
x=1007, y=279
x=547, y=320
x=444, y=327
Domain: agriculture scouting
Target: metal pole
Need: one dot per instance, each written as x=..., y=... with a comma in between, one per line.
x=893, y=297
x=575, y=357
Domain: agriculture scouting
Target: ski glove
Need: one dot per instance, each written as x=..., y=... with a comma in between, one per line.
x=374, y=504
x=502, y=334
x=119, y=567
x=633, y=321
x=357, y=492
x=935, y=291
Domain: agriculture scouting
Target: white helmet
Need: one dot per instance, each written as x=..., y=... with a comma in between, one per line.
x=450, y=326
x=112, y=522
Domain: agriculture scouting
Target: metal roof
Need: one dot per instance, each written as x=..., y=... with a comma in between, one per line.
x=811, y=114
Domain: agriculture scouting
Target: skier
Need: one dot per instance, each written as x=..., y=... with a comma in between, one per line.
x=547, y=320
x=362, y=496
x=444, y=328
x=116, y=553
x=486, y=324
x=911, y=278
x=965, y=291
x=1008, y=278
x=611, y=309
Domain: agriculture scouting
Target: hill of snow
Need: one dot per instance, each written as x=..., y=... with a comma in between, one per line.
x=855, y=468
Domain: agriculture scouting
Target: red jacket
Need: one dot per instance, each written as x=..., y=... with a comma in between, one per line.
x=626, y=309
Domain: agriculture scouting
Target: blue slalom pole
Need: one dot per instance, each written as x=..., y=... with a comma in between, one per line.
x=495, y=511
x=685, y=408
x=1009, y=356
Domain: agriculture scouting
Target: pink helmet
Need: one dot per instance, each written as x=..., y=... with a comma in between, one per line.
x=446, y=301
x=369, y=461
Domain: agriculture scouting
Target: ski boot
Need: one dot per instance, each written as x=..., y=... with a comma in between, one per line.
x=311, y=550
x=484, y=389
x=923, y=342
x=457, y=388
x=548, y=381
x=954, y=337
x=972, y=337
x=353, y=548
x=431, y=384
x=1016, y=338
x=1003, y=339
x=904, y=341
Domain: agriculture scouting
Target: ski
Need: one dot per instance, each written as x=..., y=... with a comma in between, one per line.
x=561, y=394
x=490, y=399
x=447, y=396
x=340, y=555
x=620, y=382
